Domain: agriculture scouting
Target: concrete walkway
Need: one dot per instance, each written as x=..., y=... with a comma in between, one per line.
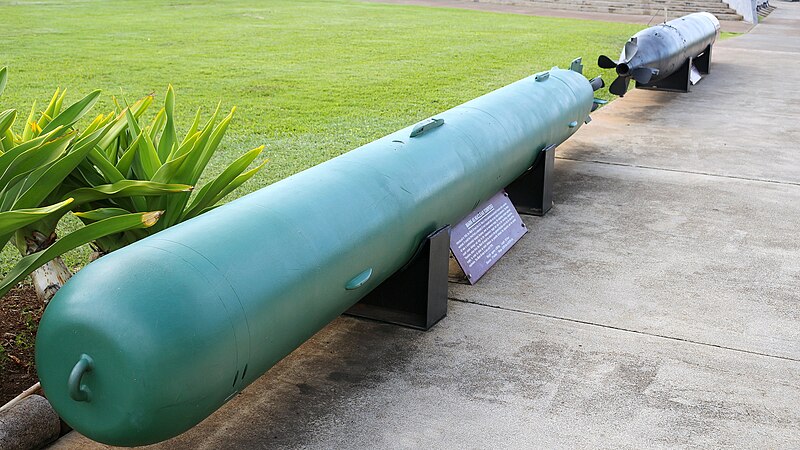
x=547, y=11
x=656, y=305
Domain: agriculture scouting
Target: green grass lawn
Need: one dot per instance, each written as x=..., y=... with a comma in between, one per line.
x=311, y=79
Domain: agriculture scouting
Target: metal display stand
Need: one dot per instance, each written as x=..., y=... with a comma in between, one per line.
x=681, y=80
x=532, y=192
x=703, y=62
x=415, y=296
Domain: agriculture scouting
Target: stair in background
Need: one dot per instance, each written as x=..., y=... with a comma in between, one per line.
x=764, y=10
x=675, y=8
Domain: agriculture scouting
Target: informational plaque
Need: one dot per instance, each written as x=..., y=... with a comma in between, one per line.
x=485, y=235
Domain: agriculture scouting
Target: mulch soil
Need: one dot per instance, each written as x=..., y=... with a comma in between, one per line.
x=20, y=311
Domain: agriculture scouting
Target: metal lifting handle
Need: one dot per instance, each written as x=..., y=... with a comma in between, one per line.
x=359, y=280
x=425, y=126
x=78, y=392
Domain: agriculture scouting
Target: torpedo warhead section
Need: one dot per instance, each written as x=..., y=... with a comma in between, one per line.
x=670, y=56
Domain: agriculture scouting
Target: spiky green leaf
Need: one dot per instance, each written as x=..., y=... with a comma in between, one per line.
x=75, y=239
x=120, y=123
x=157, y=125
x=146, y=162
x=51, y=110
x=3, y=79
x=238, y=181
x=98, y=122
x=11, y=154
x=126, y=160
x=211, y=147
x=125, y=188
x=30, y=130
x=168, y=170
x=43, y=181
x=104, y=166
x=11, y=221
x=211, y=190
x=60, y=101
x=98, y=214
x=6, y=120
x=168, y=138
x=176, y=204
x=192, y=129
x=72, y=114
x=34, y=158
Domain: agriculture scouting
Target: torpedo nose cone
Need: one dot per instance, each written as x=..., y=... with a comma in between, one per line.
x=712, y=18
x=131, y=354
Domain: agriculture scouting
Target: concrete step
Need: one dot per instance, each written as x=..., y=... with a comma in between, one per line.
x=764, y=12
x=646, y=3
x=716, y=5
x=646, y=9
x=672, y=12
x=675, y=8
x=657, y=4
x=614, y=7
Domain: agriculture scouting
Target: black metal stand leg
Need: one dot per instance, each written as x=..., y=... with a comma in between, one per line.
x=532, y=192
x=703, y=62
x=416, y=296
x=680, y=81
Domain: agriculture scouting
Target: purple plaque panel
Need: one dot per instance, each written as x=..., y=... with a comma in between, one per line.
x=485, y=235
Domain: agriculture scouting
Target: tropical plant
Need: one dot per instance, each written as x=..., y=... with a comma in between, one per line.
x=153, y=152
x=35, y=193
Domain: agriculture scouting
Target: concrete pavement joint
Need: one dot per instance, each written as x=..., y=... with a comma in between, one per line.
x=692, y=172
x=628, y=330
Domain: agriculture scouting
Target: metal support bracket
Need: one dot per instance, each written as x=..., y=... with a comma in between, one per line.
x=416, y=295
x=680, y=81
x=532, y=192
x=703, y=61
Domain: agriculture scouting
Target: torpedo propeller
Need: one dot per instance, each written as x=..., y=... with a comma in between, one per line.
x=642, y=75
